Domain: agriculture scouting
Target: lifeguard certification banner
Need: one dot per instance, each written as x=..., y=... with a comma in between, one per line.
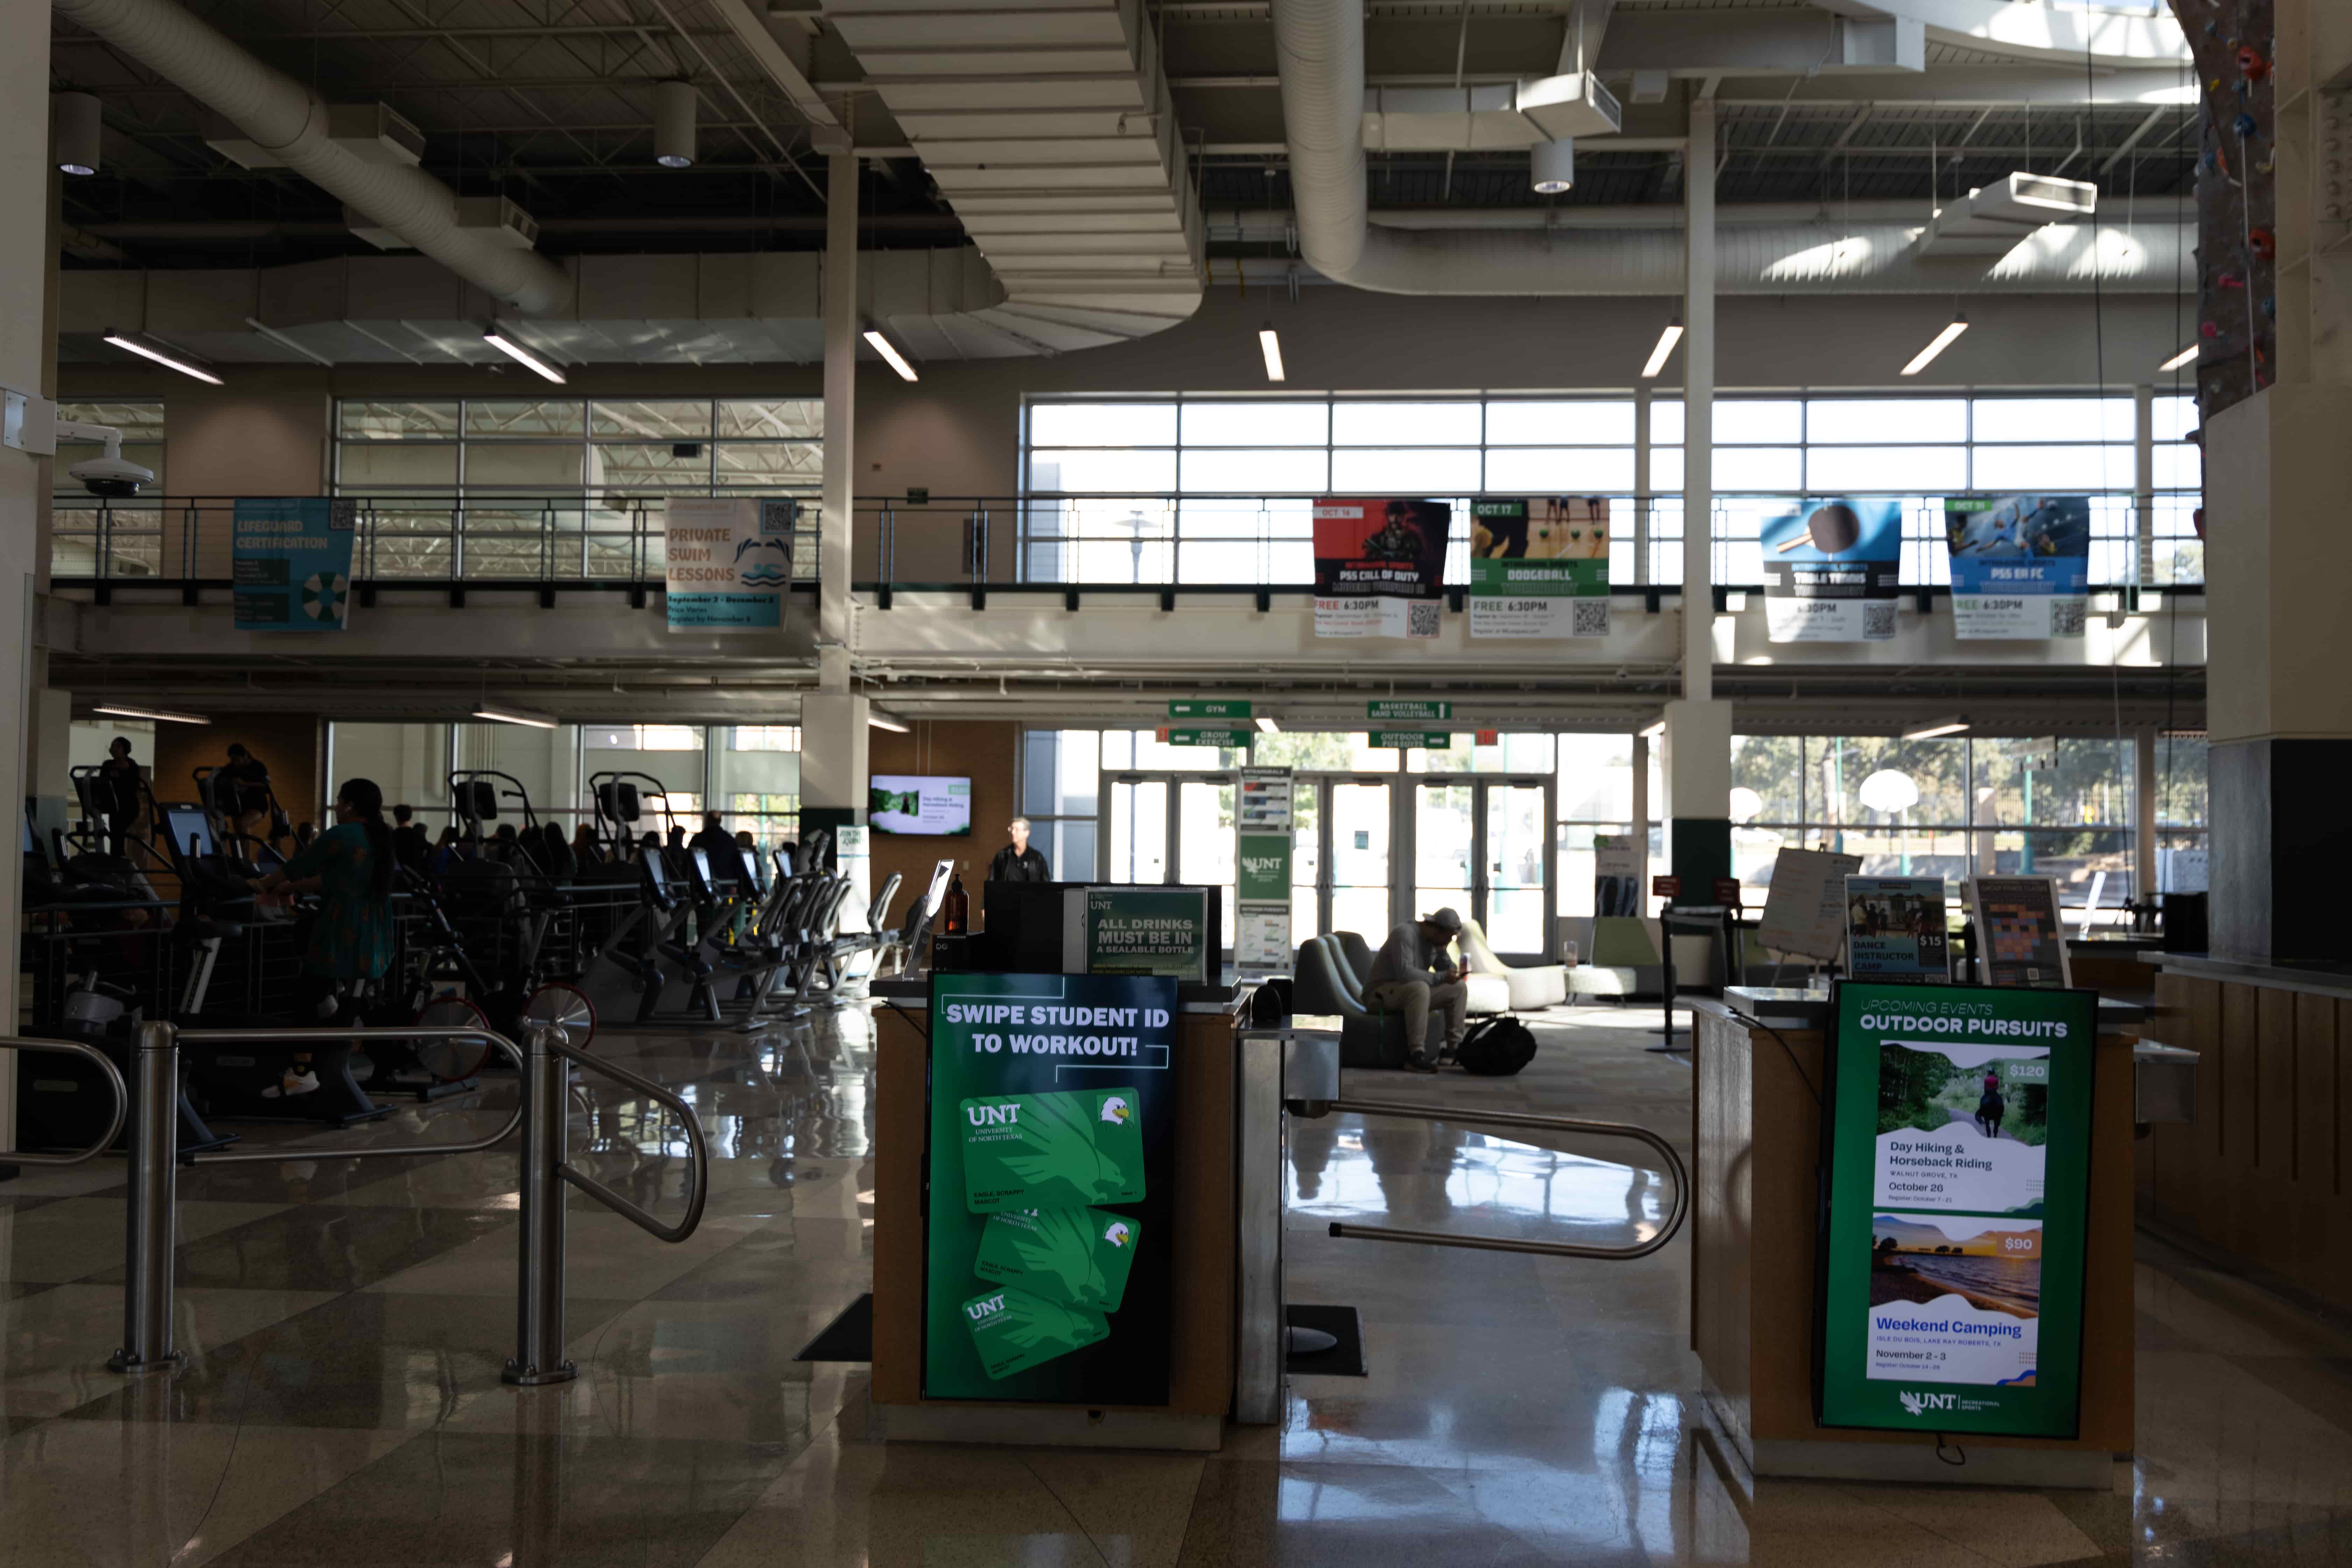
x=730, y=561
x=1379, y=566
x=290, y=563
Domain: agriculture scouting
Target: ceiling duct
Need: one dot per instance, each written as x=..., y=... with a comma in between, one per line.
x=1991, y=219
x=356, y=155
x=1050, y=129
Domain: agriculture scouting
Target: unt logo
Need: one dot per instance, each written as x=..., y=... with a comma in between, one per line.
x=1261, y=865
x=986, y=1307
x=992, y=1115
x=1920, y=1404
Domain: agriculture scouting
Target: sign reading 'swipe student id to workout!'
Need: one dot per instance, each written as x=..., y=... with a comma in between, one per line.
x=290, y=563
x=730, y=561
x=1048, y=1269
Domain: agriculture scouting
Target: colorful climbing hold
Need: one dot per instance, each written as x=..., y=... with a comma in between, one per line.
x=2243, y=125
x=2251, y=65
x=2208, y=330
x=2263, y=244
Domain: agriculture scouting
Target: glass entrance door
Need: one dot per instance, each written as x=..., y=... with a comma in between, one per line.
x=1204, y=840
x=1356, y=896
x=1173, y=829
x=1482, y=846
x=1136, y=828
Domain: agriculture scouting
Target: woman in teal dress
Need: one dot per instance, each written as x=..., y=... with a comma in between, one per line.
x=350, y=866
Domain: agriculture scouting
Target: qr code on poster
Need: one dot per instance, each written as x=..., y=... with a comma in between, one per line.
x=1591, y=619
x=1420, y=618
x=1877, y=621
x=2066, y=618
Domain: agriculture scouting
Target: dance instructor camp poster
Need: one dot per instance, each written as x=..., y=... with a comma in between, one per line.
x=1380, y=567
x=1957, y=1143
x=2020, y=565
x=1539, y=567
x=1832, y=571
x=730, y=561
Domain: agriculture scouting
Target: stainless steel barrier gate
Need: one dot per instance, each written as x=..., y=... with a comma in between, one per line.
x=546, y=1074
x=114, y=1080
x=538, y=1354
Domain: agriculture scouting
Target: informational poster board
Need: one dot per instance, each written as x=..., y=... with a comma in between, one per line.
x=2020, y=941
x=290, y=562
x=1379, y=566
x=1957, y=1152
x=730, y=561
x=1539, y=566
x=853, y=855
x=1139, y=931
x=2020, y=565
x=1616, y=875
x=1262, y=818
x=1895, y=929
x=1804, y=909
x=1049, y=1215
x=1832, y=571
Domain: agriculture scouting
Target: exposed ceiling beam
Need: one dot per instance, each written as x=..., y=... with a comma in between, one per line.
x=763, y=47
x=2154, y=117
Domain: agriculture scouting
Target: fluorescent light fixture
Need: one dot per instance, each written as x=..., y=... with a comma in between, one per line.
x=889, y=352
x=1271, y=347
x=160, y=715
x=2176, y=360
x=1935, y=727
x=522, y=356
x=1654, y=731
x=884, y=721
x=1266, y=726
x=1666, y=341
x=170, y=359
x=514, y=716
x=1938, y=344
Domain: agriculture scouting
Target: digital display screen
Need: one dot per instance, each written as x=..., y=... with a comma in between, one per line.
x=192, y=833
x=908, y=804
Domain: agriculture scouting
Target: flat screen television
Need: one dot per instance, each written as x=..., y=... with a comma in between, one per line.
x=911, y=805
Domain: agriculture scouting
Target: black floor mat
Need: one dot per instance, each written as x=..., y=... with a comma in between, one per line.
x=1345, y=1359
x=849, y=1337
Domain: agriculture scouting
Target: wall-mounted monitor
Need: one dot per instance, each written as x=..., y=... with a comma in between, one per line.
x=908, y=805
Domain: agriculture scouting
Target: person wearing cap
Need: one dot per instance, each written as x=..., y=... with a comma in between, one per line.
x=1411, y=973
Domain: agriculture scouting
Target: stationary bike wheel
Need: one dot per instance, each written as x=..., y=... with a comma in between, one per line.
x=451, y=1061
x=565, y=1005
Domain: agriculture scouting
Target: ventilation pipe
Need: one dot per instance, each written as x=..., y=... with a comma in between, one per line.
x=285, y=119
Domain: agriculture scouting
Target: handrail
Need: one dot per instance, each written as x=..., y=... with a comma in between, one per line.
x=1673, y=1163
x=114, y=1080
x=699, y=1167
x=324, y=1035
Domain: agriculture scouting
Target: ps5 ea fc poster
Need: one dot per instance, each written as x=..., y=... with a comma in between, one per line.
x=728, y=562
x=1957, y=1151
x=1049, y=1185
x=2020, y=565
x=1379, y=566
x=1831, y=570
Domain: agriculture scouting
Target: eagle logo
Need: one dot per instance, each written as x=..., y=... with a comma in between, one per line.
x=1116, y=1110
x=1119, y=1234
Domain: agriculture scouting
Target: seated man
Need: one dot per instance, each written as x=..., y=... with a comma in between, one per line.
x=1400, y=983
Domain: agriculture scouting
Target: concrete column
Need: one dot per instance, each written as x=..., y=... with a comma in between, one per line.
x=1698, y=411
x=2143, y=813
x=833, y=760
x=1644, y=498
x=47, y=740
x=1698, y=777
x=836, y=526
x=1642, y=806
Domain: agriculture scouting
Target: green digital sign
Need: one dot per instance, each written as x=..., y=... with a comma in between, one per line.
x=1413, y=740
x=1407, y=708
x=1048, y=1213
x=1229, y=740
x=1209, y=707
x=1148, y=931
x=1957, y=1134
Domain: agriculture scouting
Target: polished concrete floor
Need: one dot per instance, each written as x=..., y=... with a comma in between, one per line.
x=346, y=1320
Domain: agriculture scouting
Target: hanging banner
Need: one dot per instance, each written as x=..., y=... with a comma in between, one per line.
x=1048, y=1239
x=2020, y=565
x=290, y=563
x=730, y=561
x=1831, y=570
x=1957, y=1156
x=1616, y=875
x=1262, y=816
x=1380, y=567
x=1539, y=568
x=1895, y=930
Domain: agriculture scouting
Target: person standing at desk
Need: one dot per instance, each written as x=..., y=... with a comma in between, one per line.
x=1016, y=862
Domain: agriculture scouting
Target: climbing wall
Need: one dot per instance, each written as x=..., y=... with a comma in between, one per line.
x=2234, y=42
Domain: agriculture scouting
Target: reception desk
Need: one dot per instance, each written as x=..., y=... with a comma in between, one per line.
x=1200, y=1372
x=1757, y=1142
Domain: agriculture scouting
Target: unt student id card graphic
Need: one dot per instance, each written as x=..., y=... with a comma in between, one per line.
x=1078, y=1257
x=1052, y=1151
x=1013, y=1331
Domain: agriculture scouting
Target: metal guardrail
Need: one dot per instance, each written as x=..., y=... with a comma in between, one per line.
x=114, y=1080
x=1670, y=1162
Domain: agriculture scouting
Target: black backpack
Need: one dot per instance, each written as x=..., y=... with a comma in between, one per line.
x=1497, y=1048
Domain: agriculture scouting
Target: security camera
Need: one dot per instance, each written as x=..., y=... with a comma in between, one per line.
x=111, y=475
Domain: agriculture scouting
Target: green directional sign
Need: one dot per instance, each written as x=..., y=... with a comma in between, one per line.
x=1234, y=739
x=1209, y=707
x=1408, y=709
x=1414, y=739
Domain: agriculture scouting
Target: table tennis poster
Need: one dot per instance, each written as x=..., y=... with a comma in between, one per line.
x=1832, y=567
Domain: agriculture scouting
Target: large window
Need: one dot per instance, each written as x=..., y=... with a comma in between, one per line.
x=1217, y=490
x=567, y=447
